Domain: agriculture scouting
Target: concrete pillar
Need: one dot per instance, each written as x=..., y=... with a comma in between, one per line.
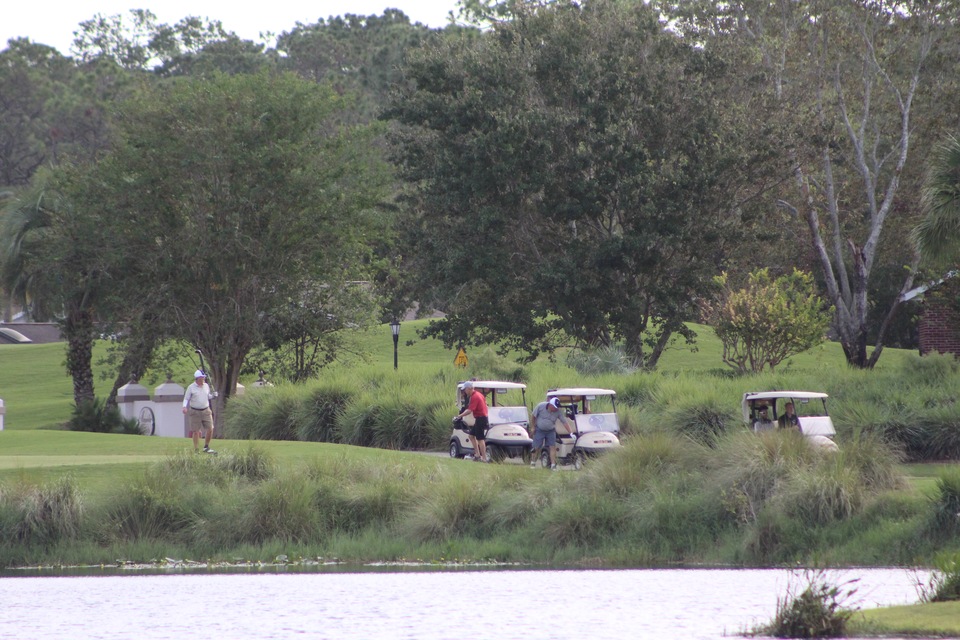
x=239, y=390
x=128, y=396
x=168, y=408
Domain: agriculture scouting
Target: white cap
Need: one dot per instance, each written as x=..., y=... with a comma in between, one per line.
x=199, y=374
x=554, y=402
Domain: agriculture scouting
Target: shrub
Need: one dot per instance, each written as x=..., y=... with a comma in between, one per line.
x=401, y=424
x=768, y=320
x=357, y=423
x=751, y=468
x=94, y=416
x=487, y=365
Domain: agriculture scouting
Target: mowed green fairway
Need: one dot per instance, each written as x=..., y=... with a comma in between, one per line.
x=99, y=461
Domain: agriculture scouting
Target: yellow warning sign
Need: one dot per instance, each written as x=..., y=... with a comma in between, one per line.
x=461, y=359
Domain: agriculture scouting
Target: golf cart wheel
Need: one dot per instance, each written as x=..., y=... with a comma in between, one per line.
x=495, y=453
x=579, y=459
x=545, y=459
x=455, y=449
x=527, y=455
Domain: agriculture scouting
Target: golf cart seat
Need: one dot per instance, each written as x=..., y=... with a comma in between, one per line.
x=563, y=428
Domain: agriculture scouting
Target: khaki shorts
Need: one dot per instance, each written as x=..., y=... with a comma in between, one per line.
x=201, y=420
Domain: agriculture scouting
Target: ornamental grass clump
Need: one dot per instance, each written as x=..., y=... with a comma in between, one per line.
x=641, y=460
x=946, y=504
x=819, y=610
x=281, y=509
x=583, y=519
x=41, y=515
x=692, y=409
x=601, y=360
x=453, y=508
x=750, y=469
x=264, y=414
x=151, y=508
x=315, y=418
x=944, y=582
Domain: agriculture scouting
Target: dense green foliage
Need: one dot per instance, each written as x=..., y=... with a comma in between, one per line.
x=95, y=415
x=578, y=162
x=938, y=234
x=769, y=320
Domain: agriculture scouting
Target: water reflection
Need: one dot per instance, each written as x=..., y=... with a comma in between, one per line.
x=430, y=605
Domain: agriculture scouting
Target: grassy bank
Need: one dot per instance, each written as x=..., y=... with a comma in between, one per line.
x=93, y=498
x=690, y=485
x=931, y=620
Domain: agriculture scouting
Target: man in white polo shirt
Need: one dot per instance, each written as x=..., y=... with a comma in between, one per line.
x=196, y=405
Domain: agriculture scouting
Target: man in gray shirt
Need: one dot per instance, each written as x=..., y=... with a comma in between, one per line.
x=545, y=417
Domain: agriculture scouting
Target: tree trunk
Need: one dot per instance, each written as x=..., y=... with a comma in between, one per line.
x=78, y=330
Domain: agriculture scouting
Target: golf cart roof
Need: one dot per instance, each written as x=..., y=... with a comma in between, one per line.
x=493, y=384
x=771, y=395
x=580, y=391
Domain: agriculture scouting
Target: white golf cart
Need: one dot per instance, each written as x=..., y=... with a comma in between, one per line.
x=594, y=412
x=507, y=412
x=809, y=406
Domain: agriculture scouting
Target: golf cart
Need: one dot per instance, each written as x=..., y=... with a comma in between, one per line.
x=810, y=407
x=507, y=412
x=594, y=412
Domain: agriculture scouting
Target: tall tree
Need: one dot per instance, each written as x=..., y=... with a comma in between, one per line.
x=577, y=176
x=139, y=42
x=850, y=74
x=63, y=261
x=361, y=55
x=231, y=191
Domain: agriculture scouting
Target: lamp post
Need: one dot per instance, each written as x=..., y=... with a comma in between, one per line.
x=395, y=329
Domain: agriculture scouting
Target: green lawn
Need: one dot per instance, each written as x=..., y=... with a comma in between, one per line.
x=938, y=619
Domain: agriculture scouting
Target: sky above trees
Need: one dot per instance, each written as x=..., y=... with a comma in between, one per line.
x=55, y=28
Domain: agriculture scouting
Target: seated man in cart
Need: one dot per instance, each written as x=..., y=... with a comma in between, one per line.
x=763, y=421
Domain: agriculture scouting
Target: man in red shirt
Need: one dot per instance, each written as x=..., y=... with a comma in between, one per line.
x=477, y=405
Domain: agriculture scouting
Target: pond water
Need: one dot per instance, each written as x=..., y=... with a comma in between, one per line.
x=702, y=604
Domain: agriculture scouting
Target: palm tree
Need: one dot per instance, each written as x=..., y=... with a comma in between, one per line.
x=45, y=263
x=938, y=234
